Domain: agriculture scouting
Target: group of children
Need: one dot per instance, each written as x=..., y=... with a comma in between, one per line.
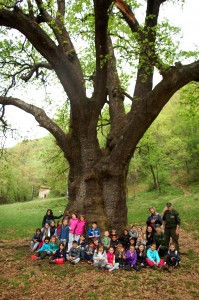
x=132, y=249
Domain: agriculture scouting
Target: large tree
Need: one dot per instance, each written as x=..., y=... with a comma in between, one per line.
x=97, y=179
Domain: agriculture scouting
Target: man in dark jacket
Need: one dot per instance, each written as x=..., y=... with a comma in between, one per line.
x=171, y=225
x=154, y=218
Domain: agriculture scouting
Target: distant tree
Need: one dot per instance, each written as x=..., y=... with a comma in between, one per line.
x=110, y=30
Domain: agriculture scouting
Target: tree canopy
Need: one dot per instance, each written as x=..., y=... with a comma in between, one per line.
x=87, y=45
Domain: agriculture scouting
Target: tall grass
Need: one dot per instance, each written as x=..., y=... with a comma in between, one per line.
x=20, y=220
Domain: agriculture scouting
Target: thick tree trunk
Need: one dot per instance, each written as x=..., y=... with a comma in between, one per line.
x=100, y=199
x=97, y=194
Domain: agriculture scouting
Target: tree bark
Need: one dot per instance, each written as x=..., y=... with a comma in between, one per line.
x=99, y=195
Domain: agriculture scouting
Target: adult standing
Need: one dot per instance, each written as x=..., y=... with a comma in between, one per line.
x=49, y=217
x=154, y=218
x=171, y=225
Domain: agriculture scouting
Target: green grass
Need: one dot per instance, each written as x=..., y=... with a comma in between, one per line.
x=19, y=220
x=187, y=205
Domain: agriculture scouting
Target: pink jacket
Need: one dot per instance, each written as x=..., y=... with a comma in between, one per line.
x=80, y=227
x=73, y=224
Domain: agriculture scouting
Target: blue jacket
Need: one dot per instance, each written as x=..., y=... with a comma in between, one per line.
x=53, y=246
x=45, y=247
x=64, y=232
x=93, y=232
x=153, y=255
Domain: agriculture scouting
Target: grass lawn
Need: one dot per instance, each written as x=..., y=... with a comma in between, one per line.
x=24, y=279
x=20, y=220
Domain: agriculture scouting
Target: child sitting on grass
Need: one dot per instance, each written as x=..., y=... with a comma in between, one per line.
x=153, y=259
x=120, y=256
x=36, y=240
x=82, y=244
x=131, y=259
x=99, y=257
x=60, y=253
x=111, y=264
x=141, y=256
x=53, y=244
x=44, y=250
x=74, y=253
x=89, y=251
x=172, y=258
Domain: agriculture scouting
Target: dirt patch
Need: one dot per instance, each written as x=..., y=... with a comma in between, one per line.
x=22, y=278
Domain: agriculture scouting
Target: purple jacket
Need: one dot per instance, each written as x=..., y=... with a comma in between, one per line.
x=73, y=224
x=131, y=260
x=80, y=228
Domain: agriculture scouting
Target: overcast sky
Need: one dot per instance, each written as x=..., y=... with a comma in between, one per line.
x=186, y=18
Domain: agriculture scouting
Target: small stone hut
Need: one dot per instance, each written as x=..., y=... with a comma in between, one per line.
x=44, y=191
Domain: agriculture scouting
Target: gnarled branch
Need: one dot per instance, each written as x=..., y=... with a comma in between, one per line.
x=33, y=69
x=43, y=120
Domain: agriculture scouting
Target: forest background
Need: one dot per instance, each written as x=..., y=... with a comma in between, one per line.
x=167, y=155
